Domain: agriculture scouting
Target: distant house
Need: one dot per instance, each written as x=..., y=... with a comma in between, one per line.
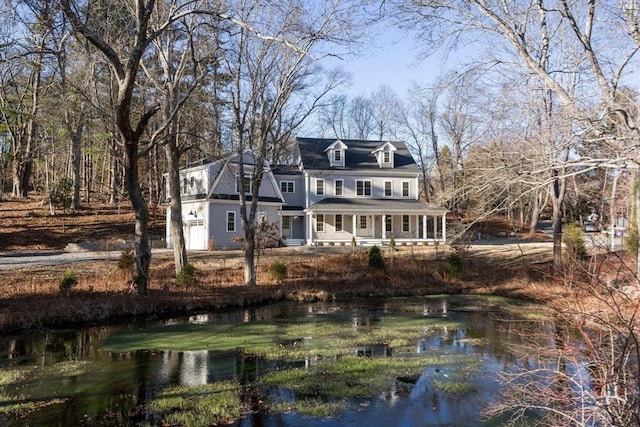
x=334, y=192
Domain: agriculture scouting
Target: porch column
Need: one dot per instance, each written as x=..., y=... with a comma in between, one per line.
x=435, y=228
x=309, y=228
x=424, y=227
x=417, y=228
x=384, y=227
x=353, y=220
x=444, y=227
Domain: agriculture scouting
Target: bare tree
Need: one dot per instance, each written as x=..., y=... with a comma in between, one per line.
x=124, y=52
x=273, y=88
x=21, y=82
x=385, y=111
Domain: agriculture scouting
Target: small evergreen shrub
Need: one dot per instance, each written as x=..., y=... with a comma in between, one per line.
x=187, y=276
x=376, y=261
x=453, y=266
x=574, y=241
x=278, y=271
x=125, y=262
x=68, y=280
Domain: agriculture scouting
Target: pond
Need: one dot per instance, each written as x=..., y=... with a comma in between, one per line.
x=426, y=361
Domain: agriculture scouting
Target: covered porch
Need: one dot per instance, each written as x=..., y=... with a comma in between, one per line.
x=375, y=222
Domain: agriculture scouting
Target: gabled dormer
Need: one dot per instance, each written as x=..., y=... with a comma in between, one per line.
x=385, y=155
x=337, y=152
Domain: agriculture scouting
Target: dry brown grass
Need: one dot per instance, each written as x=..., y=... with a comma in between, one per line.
x=31, y=297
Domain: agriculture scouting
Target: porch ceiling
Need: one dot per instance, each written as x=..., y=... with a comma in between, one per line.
x=373, y=206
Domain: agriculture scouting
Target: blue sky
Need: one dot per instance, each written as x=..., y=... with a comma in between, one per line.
x=392, y=62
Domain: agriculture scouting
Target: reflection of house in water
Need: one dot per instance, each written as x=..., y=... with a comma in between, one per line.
x=374, y=350
x=194, y=369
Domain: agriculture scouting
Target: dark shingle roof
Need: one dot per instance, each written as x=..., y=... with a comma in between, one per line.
x=358, y=156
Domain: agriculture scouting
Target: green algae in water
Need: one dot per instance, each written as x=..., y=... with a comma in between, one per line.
x=202, y=405
x=329, y=384
x=191, y=337
x=294, y=339
x=27, y=389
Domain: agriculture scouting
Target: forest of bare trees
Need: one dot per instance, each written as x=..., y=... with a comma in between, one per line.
x=105, y=100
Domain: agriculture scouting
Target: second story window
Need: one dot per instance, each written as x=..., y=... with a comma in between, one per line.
x=287, y=186
x=363, y=188
x=337, y=156
x=319, y=187
x=405, y=189
x=386, y=157
x=388, y=189
x=339, y=187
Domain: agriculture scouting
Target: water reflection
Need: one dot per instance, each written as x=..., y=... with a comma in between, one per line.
x=119, y=384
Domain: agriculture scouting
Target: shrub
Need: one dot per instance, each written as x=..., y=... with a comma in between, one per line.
x=376, y=262
x=125, y=262
x=68, y=280
x=453, y=266
x=187, y=276
x=278, y=271
x=574, y=241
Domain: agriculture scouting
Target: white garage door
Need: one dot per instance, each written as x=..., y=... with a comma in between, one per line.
x=197, y=237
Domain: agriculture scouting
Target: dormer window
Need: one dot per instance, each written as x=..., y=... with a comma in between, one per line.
x=385, y=155
x=336, y=153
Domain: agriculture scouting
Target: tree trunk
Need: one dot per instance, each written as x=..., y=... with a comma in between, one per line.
x=21, y=177
x=177, y=231
x=114, y=173
x=141, y=212
x=557, y=224
x=249, y=257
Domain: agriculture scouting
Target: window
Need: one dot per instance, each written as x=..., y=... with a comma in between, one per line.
x=388, y=191
x=320, y=222
x=363, y=222
x=287, y=187
x=405, y=222
x=338, y=222
x=363, y=188
x=405, y=189
x=388, y=224
x=286, y=222
x=386, y=157
x=339, y=187
x=231, y=221
x=185, y=185
x=319, y=187
x=337, y=156
x=246, y=182
x=262, y=217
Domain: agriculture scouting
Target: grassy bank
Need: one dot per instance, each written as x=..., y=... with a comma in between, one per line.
x=32, y=298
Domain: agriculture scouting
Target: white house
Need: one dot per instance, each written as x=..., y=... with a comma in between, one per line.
x=335, y=191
